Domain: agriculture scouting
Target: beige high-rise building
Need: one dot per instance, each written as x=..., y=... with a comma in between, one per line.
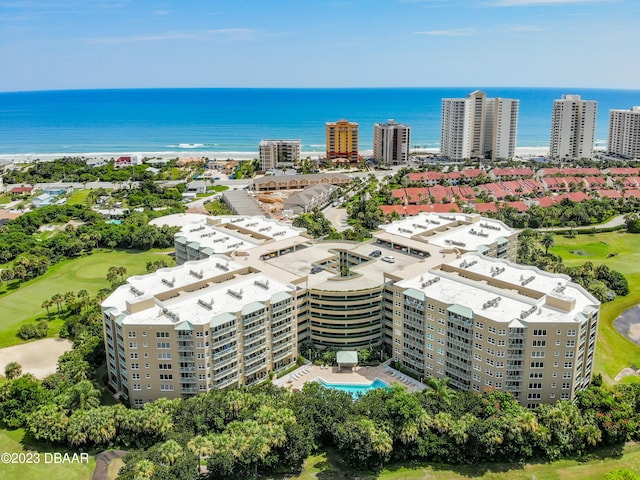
x=279, y=154
x=624, y=133
x=573, y=127
x=479, y=127
x=391, y=143
x=441, y=291
x=342, y=140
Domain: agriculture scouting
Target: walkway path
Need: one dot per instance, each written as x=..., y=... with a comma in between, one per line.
x=616, y=221
x=103, y=459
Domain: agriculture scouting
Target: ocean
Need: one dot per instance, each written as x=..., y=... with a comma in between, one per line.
x=235, y=120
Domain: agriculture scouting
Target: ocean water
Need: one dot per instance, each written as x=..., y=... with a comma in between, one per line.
x=224, y=120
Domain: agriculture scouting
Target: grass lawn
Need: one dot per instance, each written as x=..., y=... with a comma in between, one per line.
x=328, y=466
x=14, y=441
x=4, y=199
x=614, y=352
x=23, y=304
x=78, y=197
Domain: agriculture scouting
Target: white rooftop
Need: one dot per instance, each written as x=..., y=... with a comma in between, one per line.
x=481, y=297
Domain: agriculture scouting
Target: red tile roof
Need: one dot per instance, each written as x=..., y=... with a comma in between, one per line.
x=624, y=171
x=486, y=207
x=609, y=193
x=22, y=189
x=513, y=172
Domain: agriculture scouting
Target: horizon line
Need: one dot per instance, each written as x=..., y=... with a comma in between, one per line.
x=442, y=87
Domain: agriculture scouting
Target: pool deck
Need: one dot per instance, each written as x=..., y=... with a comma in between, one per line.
x=359, y=376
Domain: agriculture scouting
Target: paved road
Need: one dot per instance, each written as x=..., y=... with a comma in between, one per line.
x=616, y=221
x=337, y=217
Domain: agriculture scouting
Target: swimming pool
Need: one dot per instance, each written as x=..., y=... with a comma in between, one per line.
x=355, y=389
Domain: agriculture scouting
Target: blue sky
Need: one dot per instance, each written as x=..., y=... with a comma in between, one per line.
x=68, y=44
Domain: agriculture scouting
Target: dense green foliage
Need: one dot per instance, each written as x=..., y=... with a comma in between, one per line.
x=241, y=432
x=79, y=231
x=75, y=169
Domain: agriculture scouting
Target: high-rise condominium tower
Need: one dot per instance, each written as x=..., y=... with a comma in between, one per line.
x=624, y=132
x=279, y=153
x=391, y=142
x=342, y=140
x=573, y=126
x=478, y=126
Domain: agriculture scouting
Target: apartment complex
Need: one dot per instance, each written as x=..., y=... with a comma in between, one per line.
x=279, y=153
x=441, y=290
x=573, y=126
x=624, y=132
x=489, y=324
x=342, y=140
x=479, y=127
x=391, y=143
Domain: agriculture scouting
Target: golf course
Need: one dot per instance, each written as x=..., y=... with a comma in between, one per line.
x=24, y=303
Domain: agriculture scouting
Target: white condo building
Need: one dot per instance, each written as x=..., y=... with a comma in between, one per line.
x=573, y=126
x=477, y=126
x=440, y=291
x=391, y=142
x=624, y=132
x=279, y=153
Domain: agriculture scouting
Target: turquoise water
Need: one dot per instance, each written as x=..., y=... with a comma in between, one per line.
x=224, y=120
x=355, y=390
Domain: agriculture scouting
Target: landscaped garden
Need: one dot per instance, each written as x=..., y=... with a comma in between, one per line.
x=24, y=304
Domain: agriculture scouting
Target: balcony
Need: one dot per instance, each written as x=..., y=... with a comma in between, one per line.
x=255, y=368
x=254, y=329
x=227, y=381
x=254, y=348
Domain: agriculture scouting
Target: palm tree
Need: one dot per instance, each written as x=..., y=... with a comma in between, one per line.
x=200, y=446
x=144, y=470
x=58, y=299
x=439, y=389
x=12, y=370
x=112, y=275
x=46, y=304
x=547, y=241
x=169, y=452
x=83, y=395
x=83, y=296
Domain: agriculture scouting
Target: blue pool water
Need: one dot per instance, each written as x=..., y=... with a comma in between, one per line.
x=355, y=390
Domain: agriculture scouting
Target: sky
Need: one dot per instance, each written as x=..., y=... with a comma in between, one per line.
x=78, y=44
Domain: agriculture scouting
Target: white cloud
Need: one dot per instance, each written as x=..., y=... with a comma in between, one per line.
x=453, y=32
x=526, y=3
x=524, y=28
x=226, y=34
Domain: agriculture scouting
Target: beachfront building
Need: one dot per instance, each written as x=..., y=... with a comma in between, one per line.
x=479, y=127
x=277, y=154
x=391, y=143
x=573, y=126
x=342, y=140
x=624, y=132
x=441, y=291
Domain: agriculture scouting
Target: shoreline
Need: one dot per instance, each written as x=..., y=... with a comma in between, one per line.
x=521, y=152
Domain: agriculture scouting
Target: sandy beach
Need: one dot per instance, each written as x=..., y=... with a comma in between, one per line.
x=521, y=152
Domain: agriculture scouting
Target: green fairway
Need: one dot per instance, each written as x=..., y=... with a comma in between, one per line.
x=14, y=441
x=89, y=273
x=329, y=467
x=620, y=251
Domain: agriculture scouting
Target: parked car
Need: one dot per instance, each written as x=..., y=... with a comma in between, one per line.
x=375, y=253
x=317, y=268
x=389, y=259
